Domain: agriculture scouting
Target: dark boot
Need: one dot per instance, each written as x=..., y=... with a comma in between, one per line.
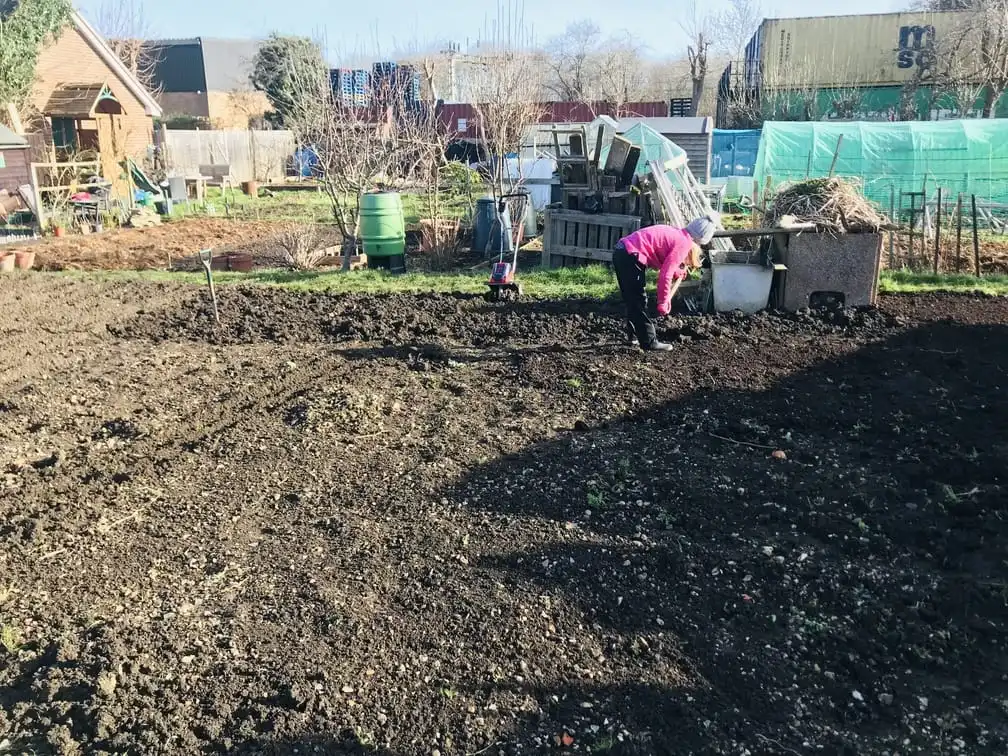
x=658, y=346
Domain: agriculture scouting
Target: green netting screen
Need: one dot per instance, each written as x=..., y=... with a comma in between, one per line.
x=968, y=156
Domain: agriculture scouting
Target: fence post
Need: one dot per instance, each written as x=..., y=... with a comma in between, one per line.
x=892, y=231
x=938, y=216
x=913, y=218
x=958, y=262
x=976, y=238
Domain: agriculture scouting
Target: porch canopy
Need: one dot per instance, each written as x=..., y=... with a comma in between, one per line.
x=82, y=101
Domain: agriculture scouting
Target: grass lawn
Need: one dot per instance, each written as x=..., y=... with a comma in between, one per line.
x=593, y=281
x=309, y=206
x=908, y=282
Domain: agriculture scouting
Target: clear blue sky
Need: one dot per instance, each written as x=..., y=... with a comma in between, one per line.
x=371, y=28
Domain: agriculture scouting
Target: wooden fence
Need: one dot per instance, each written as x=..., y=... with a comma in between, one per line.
x=252, y=155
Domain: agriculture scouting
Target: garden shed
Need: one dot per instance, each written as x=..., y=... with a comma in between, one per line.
x=14, y=162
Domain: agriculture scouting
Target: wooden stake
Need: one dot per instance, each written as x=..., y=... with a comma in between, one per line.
x=755, y=202
x=913, y=218
x=206, y=259
x=892, y=233
x=958, y=262
x=938, y=216
x=976, y=238
x=836, y=154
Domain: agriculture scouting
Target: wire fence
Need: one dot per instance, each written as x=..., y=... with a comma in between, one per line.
x=947, y=232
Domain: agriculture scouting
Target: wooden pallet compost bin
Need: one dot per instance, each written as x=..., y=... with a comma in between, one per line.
x=845, y=266
x=575, y=238
x=619, y=203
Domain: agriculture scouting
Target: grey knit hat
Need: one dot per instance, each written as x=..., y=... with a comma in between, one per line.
x=702, y=229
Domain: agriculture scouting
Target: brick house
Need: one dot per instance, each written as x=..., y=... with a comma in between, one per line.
x=89, y=100
x=208, y=79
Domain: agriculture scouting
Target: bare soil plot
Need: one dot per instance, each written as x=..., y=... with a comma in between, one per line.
x=407, y=524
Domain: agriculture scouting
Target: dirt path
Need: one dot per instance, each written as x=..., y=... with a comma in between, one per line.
x=419, y=524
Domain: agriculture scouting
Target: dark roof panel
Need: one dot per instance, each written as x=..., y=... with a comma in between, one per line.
x=178, y=65
x=203, y=64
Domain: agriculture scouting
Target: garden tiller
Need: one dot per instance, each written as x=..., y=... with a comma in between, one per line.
x=502, y=275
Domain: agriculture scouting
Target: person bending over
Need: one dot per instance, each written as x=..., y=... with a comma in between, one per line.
x=672, y=252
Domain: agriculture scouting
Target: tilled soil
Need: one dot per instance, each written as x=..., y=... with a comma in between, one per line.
x=410, y=524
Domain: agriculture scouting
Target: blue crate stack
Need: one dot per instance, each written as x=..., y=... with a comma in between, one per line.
x=361, y=87
x=384, y=70
x=380, y=73
x=343, y=85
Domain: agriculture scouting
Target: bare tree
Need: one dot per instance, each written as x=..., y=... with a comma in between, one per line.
x=943, y=5
x=125, y=28
x=735, y=27
x=245, y=107
x=358, y=148
x=622, y=72
x=505, y=87
x=698, y=29
x=574, y=62
x=792, y=92
x=505, y=93
x=956, y=87
x=432, y=60
x=980, y=41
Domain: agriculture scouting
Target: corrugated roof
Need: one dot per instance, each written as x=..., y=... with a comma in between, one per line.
x=9, y=139
x=698, y=125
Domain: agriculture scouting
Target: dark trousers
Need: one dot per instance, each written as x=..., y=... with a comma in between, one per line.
x=631, y=276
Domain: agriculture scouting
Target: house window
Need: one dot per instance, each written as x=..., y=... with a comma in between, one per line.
x=680, y=107
x=64, y=133
x=462, y=126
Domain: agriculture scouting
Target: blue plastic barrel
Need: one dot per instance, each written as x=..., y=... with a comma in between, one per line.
x=486, y=215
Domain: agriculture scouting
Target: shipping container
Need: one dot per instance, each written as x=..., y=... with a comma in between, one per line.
x=875, y=49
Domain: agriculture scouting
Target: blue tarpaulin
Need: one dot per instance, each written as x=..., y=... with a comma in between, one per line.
x=733, y=152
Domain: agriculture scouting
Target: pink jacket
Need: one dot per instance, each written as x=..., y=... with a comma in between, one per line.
x=664, y=248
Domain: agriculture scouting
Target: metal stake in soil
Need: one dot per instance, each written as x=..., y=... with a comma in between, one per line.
x=206, y=258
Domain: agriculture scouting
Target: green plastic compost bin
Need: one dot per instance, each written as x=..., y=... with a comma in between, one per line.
x=382, y=228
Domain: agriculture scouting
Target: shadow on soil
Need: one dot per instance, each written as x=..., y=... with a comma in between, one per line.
x=848, y=596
